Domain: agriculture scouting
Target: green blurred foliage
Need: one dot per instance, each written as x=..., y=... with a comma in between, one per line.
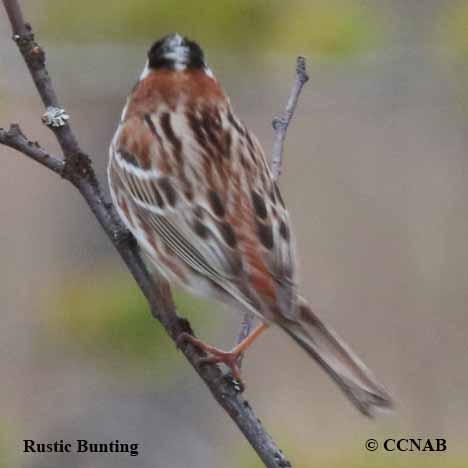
x=328, y=27
x=105, y=317
x=334, y=28
x=5, y=451
x=452, y=33
x=454, y=29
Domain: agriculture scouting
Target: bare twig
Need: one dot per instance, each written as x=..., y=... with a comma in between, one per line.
x=76, y=167
x=14, y=138
x=244, y=332
x=280, y=128
x=281, y=123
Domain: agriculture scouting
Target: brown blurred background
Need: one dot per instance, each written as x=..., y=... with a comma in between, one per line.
x=376, y=179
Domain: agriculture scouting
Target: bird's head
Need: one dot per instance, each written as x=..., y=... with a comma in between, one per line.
x=177, y=53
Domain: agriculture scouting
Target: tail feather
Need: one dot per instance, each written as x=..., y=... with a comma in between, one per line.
x=343, y=366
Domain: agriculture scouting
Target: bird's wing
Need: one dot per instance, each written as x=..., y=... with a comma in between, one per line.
x=198, y=181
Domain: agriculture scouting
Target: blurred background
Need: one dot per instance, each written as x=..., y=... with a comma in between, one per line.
x=376, y=179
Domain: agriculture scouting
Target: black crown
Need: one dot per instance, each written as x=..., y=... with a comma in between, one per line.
x=161, y=53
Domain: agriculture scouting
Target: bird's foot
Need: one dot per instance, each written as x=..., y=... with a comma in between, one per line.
x=216, y=356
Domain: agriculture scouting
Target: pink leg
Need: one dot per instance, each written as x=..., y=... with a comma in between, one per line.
x=229, y=358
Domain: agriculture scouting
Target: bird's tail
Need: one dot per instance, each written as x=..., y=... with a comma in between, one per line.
x=339, y=362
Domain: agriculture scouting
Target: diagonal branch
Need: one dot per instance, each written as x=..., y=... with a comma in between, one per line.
x=34, y=56
x=280, y=128
x=76, y=167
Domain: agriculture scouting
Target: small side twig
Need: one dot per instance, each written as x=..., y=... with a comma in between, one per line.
x=14, y=138
x=280, y=128
x=281, y=123
x=244, y=332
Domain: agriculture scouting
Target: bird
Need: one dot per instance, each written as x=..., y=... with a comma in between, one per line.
x=192, y=184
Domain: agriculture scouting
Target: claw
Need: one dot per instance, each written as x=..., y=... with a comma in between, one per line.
x=216, y=356
x=229, y=359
